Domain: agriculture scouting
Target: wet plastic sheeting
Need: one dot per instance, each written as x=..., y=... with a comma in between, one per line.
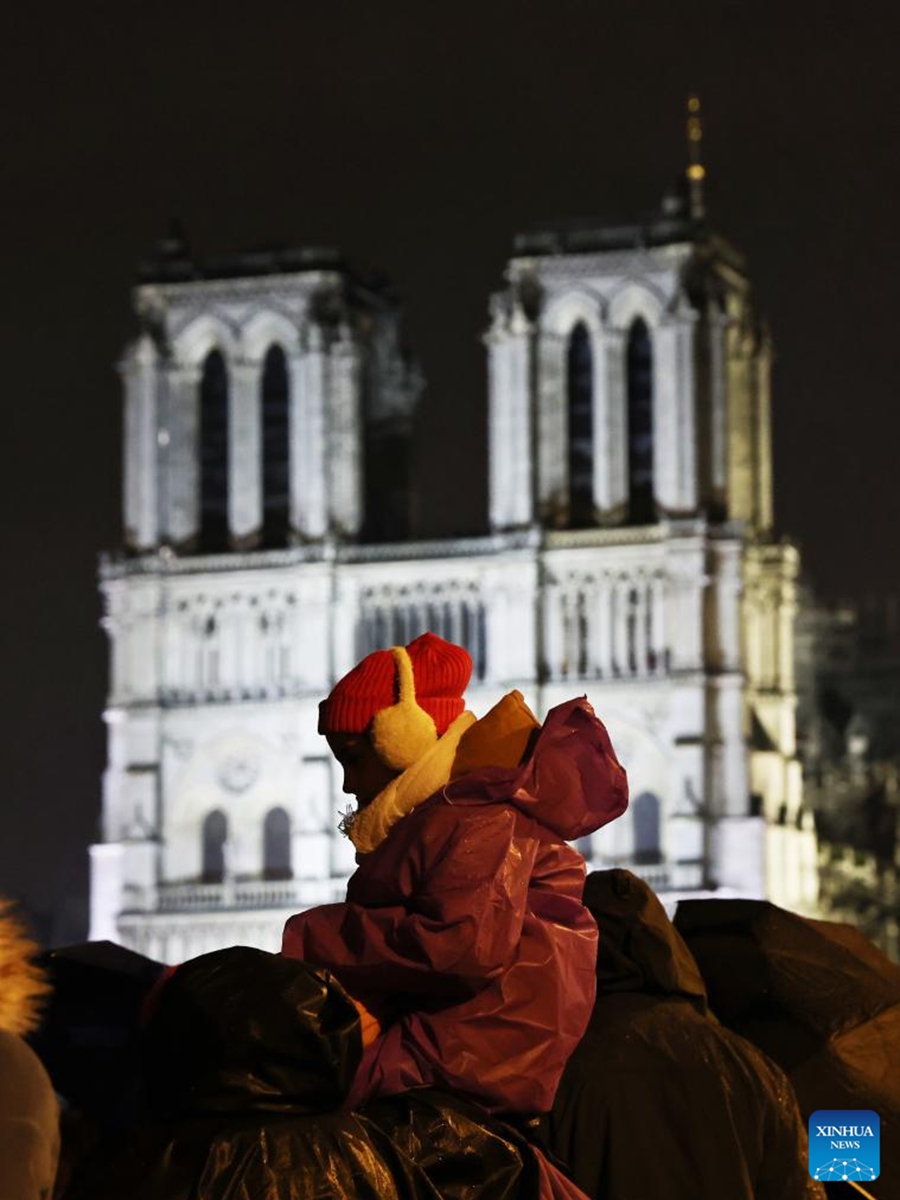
x=249, y=1056
x=279, y=1158
x=818, y=997
x=659, y=1101
x=461, y=1153
x=241, y=1030
x=440, y=1154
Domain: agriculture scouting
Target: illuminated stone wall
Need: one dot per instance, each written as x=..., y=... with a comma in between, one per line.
x=678, y=625
x=699, y=583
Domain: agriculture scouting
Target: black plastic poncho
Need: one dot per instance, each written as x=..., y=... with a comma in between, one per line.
x=248, y=1059
x=658, y=1099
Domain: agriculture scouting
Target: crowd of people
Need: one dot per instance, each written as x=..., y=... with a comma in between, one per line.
x=454, y=1028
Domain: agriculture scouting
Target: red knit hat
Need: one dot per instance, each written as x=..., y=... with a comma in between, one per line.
x=440, y=674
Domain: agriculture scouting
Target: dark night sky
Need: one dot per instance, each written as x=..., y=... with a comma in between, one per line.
x=419, y=138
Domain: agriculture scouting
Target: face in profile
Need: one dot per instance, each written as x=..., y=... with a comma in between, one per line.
x=365, y=775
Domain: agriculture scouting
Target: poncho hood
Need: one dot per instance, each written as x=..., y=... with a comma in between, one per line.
x=571, y=781
x=241, y=1030
x=640, y=948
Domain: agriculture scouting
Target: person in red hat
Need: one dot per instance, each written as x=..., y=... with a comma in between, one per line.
x=463, y=936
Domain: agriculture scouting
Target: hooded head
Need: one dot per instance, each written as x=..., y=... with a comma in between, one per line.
x=640, y=948
x=564, y=773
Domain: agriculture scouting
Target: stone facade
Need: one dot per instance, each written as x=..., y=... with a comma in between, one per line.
x=630, y=556
x=848, y=665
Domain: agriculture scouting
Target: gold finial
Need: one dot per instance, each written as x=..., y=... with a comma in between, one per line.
x=695, y=172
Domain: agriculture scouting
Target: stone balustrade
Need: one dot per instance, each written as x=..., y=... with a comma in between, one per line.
x=247, y=894
x=605, y=625
x=389, y=615
x=186, y=897
x=662, y=877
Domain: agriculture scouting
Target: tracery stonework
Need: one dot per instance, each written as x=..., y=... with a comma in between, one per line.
x=677, y=624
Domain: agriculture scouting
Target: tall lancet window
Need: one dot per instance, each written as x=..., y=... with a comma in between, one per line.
x=580, y=389
x=277, y=845
x=214, y=454
x=275, y=448
x=641, y=507
x=215, y=835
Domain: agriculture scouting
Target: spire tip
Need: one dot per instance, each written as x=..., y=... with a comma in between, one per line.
x=695, y=172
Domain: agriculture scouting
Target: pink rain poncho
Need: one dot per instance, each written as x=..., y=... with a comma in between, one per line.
x=464, y=931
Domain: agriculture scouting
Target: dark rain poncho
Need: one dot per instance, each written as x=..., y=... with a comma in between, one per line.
x=659, y=1100
x=248, y=1060
x=816, y=996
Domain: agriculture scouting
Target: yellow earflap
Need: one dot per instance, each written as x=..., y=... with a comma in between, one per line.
x=403, y=732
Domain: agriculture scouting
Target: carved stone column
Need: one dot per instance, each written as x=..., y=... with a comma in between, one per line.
x=610, y=428
x=596, y=628
x=724, y=649
x=641, y=615
x=686, y=479
x=497, y=631
x=309, y=379
x=139, y=378
x=345, y=437
x=180, y=460
x=229, y=632
x=686, y=586
x=657, y=624
x=553, y=630
x=509, y=422
x=245, y=454
x=718, y=401
x=727, y=718
x=787, y=615
x=621, y=588
x=552, y=429
x=741, y=441
x=763, y=431
x=570, y=630
x=674, y=414
x=341, y=615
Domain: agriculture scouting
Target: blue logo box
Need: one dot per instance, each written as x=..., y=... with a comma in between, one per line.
x=844, y=1143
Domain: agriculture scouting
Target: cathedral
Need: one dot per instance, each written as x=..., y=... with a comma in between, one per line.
x=629, y=554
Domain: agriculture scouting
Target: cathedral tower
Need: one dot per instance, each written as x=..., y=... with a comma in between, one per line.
x=630, y=431
x=631, y=556
x=268, y=403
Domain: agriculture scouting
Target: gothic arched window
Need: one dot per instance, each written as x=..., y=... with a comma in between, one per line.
x=580, y=395
x=641, y=507
x=277, y=845
x=214, y=453
x=215, y=835
x=645, y=819
x=275, y=448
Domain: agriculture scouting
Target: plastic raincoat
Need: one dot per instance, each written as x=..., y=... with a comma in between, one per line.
x=659, y=1100
x=465, y=924
x=248, y=1058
